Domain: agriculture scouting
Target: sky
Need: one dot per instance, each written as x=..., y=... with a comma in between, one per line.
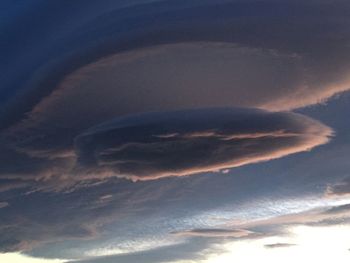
x=174, y=131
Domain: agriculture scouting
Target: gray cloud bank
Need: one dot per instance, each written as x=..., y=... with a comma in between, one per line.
x=155, y=145
x=73, y=67
x=271, y=54
x=110, y=59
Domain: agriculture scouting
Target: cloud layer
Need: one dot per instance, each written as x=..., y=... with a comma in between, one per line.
x=216, y=232
x=155, y=145
x=78, y=79
x=193, y=54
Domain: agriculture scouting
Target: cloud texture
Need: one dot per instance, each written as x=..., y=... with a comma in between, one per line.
x=154, y=145
x=154, y=91
x=192, y=54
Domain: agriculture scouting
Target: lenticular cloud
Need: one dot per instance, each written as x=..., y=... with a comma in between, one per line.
x=154, y=145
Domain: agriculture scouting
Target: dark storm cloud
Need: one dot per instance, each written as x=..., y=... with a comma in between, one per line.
x=155, y=145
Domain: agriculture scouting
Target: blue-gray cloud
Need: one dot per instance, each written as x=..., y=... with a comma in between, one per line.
x=155, y=145
x=283, y=47
x=339, y=189
x=3, y=204
x=65, y=69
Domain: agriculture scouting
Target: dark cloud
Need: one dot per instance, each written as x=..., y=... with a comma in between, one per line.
x=275, y=55
x=194, y=54
x=68, y=68
x=154, y=145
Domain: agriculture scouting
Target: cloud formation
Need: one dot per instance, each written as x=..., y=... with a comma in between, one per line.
x=279, y=245
x=183, y=59
x=3, y=204
x=215, y=232
x=339, y=189
x=297, y=61
x=76, y=83
x=155, y=145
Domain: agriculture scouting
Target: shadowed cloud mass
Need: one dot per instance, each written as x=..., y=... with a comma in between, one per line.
x=287, y=55
x=155, y=145
x=107, y=106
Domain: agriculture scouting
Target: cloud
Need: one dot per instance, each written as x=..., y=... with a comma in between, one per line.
x=215, y=232
x=189, y=251
x=338, y=210
x=339, y=189
x=275, y=226
x=155, y=145
x=204, y=74
x=151, y=145
x=46, y=223
x=3, y=204
x=186, y=59
x=205, y=54
x=279, y=225
x=48, y=217
x=66, y=126
x=279, y=245
x=8, y=184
